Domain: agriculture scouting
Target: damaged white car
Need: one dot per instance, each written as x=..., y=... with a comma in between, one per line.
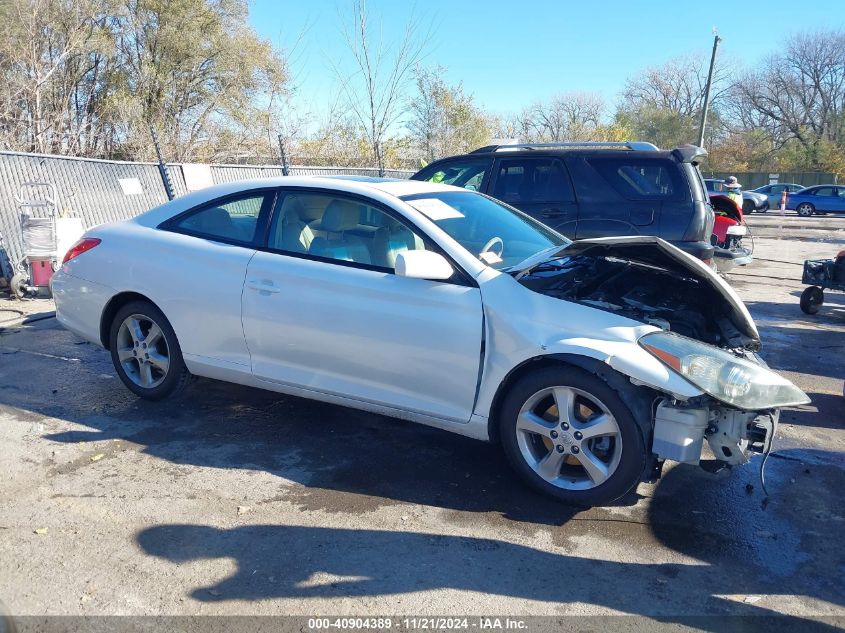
x=591, y=362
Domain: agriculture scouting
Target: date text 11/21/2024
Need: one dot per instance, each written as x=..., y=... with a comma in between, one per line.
x=430, y=623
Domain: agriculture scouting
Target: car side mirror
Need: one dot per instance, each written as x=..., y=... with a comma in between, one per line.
x=423, y=265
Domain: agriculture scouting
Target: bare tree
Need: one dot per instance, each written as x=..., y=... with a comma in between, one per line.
x=571, y=116
x=375, y=91
x=798, y=94
x=678, y=86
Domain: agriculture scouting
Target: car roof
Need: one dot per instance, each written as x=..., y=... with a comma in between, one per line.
x=376, y=188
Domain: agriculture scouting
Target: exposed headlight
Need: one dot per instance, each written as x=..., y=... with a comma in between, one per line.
x=733, y=380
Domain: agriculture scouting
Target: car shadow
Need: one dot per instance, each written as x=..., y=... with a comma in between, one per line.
x=291, y=561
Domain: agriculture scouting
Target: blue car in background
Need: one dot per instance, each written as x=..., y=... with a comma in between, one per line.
x=818, y=200
x=774, y=192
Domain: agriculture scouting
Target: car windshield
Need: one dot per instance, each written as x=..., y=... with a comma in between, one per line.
x=499, y=235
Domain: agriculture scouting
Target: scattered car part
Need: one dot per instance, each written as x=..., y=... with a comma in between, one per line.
x=823, y=274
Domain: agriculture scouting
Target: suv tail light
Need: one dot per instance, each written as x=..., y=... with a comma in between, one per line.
x=85, y=244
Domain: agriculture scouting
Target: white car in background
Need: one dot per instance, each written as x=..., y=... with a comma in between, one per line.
x=591, y=362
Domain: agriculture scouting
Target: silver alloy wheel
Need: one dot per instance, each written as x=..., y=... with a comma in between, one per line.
x=569, y=438
x=142, y=351
x=805, y=209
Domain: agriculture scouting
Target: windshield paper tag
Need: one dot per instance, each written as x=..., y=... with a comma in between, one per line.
x=435, y=209
x=490, y=258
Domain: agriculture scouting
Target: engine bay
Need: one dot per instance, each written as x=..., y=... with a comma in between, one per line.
x=645, y=291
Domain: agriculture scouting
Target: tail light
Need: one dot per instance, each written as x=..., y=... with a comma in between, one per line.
x=85, y=244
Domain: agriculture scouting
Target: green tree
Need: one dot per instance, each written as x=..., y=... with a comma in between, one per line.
x=444, y=119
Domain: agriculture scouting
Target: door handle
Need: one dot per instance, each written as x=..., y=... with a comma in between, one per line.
x=552, y=213
x=262, y=286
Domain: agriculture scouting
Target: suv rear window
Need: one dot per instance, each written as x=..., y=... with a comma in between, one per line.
x=640, y=179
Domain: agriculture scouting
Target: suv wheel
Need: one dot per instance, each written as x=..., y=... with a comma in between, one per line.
x=569, y=435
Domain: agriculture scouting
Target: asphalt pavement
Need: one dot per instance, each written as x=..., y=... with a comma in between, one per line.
x=231, y=500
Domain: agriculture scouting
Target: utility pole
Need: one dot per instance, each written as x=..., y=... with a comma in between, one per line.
x=283, y=153
x=162, y=168
x=716, y=41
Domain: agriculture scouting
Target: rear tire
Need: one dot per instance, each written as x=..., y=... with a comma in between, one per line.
x=146, y=353
x=812, y=299
x=569, y=435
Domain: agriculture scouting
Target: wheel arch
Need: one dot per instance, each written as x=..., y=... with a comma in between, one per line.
x=116, y=303
x=640, y=399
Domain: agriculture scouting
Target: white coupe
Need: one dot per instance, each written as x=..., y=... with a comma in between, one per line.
x=591, y=362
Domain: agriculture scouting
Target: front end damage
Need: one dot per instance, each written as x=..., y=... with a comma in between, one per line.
x=706, y=335
x=681, y=428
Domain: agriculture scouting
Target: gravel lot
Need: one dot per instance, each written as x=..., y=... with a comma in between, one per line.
x=235, y=501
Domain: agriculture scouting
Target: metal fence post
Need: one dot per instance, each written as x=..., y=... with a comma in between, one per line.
x=162, y=168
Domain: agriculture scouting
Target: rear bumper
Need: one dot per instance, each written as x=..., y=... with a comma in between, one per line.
x=699, y=250
x=80, y=304
x=726, y=259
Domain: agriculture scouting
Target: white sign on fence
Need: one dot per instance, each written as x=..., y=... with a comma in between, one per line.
x=131, y=186
x=197, y=176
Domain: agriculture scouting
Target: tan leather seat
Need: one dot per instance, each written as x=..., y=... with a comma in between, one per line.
x=294, y=232
x=339, y=218
x=390, y=240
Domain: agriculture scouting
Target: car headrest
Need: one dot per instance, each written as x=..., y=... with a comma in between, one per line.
x=339, y=216
x=292, y=209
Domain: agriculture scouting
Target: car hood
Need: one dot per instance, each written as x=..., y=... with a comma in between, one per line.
x=678, y=277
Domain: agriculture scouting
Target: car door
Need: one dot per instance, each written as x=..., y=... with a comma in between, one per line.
x=330, y=315
x=540, y=187
x=773, y=193
x=839, y=203
x=196, y=273
x=825, y=199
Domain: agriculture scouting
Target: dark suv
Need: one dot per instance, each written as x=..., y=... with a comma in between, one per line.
x=586, y=190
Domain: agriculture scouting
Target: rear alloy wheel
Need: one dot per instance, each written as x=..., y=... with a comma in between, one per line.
x=812, y=299
x=145, y=352
x=805, y=209
x=569, y=435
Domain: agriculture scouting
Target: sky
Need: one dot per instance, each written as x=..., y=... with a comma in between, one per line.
x=509, y=53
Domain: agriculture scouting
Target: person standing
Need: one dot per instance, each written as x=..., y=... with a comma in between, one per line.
x=734, y=190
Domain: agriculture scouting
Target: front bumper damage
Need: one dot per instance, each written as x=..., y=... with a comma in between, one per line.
x=680, y=430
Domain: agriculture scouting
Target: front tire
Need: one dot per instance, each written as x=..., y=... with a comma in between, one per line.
x=805, y=209
x=569, y=435
x=146, y=353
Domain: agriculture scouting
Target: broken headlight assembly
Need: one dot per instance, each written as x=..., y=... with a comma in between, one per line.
x=730, y=379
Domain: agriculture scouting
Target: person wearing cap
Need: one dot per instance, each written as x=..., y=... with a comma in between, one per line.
x=734, y=190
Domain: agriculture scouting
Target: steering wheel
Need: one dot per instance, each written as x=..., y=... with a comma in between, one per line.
x=488, y=247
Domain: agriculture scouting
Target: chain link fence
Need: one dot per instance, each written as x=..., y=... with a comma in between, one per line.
x=99, y=191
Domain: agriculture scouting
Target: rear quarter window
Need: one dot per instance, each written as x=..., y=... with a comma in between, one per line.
x=642, y=179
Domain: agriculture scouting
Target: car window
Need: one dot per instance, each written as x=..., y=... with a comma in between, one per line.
x=822, y=191
x=639, y=179
x=532, y=180
x=234, y=220
x=339, y=228
x=773, y=189
x=498, y=235
x=466, y=173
